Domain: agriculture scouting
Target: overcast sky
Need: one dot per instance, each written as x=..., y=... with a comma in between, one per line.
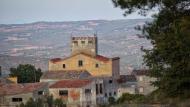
x=27, y=11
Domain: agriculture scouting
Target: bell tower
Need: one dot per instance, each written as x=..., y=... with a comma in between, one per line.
x=84, y=44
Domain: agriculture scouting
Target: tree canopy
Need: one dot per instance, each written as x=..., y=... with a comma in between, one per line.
x=26, y=73
x=169, y=33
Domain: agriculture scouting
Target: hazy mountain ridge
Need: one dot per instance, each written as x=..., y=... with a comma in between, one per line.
x=37, y=42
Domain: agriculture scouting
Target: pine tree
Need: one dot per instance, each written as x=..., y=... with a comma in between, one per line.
x=169, y=33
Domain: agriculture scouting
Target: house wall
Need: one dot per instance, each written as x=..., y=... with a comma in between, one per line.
x=144, y=84
x=127, y=87
x=76, y=96
x=108, y=89
x=89, y=64
x=7, y=100
x=123, y=90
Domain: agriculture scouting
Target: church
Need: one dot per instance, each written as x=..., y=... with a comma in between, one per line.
x=84, y=56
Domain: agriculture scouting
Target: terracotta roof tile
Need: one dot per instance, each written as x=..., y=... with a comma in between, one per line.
x=71, y=84
x=66, y=74
x=102, y=58
x=13, y=89
x=54, y=60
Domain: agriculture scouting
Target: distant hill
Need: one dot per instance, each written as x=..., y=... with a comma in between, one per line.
x=35, y=43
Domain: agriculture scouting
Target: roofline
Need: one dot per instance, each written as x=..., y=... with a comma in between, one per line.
x=115, y=58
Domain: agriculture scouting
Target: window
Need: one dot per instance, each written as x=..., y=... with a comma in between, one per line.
x=40, y=92
x=63, y=92
x=110, y=94
x=64, y=66
x=114, y=93
x=97, y=65
x=106, y=95
x=75, y=43
x=82, y=42
x=110, y=81
x=80, y=63
x=96, y=89
x=90, y=42
x=101, y=89
x=87, y=91
x=16, y=99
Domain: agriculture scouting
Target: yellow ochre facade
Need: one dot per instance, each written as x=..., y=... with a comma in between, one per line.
x=95, y=64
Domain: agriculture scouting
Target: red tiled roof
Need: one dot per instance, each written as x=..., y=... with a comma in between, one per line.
x=54, y=60
x=102, y=58
x=66, y=74
x=13, y=89
x=71, y=83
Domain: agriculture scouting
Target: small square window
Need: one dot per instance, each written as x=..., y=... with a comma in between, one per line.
x=87, y=91
x=90, y=42
x=110, y=94
x=80, y=63
x=75, y=43
x=64, y=66
x=40, y=92
x=110, y=81
x=97, y=65
x=106, y=95
x=63, y=92
x=114, y=93
x=83, y=42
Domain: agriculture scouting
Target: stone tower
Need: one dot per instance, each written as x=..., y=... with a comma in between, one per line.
x=86, y=44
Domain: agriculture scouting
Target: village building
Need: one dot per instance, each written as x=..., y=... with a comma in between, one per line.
x=75, y=93
x=144, y=81
x=127, y=84
x=52, y=76
x=12, y=95
x=105, y=87
x=84, y=56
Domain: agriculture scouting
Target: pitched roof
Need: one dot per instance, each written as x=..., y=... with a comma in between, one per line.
x=66, y=74
x=71, y=84
x=126, y=78
x=13, y=89
x=97, y=57
x=55, y=60
x=101, y=58
x=140, y=72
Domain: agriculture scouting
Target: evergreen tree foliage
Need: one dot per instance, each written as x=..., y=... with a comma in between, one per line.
x=50, y=101
x=59, y=103
x=26, y=73
x=169, y=33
